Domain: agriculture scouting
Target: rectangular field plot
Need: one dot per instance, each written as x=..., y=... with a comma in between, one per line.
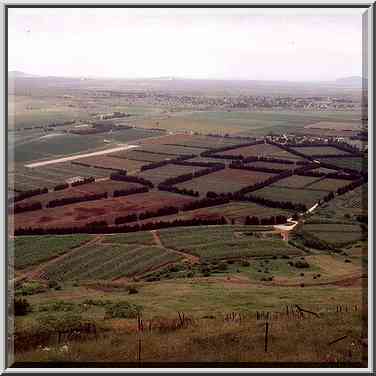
x=201, y=142
x=142, y=156
x=320, y=150
x=263, y=150
x=157, y=175
x=329, y=184
x=212, y=243
x=354, y=163
x=336, y=232
x=299, y=196
x=172, y=149
x=49, y=176
x=111, y=163
x=234, y=211
x=100, y=210
x=340, y=126
x=279, y=166
x=295, y=181
x=228, y=180
x=140, y=237
x=97, y=187
x=32, y=250
x=104, y=262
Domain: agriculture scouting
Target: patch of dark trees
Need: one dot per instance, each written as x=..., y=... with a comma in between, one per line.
x=273, y=220
x=24, y=208
x=74, y=200
x=27, y=194
x=182, y=191
x=130, y=191
x=166, y=162
x=199, y=164
x=61, y=186
x=121, y=176
x=103, y=228
x=88, y=180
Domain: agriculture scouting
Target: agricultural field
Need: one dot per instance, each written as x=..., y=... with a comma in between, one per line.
x=299, y=196
x=320, y=150
x=348, y=126
x=296, y=181
x=97, y=187
x=328, y=184
x=335, y=233
x=26, y=251
x=280, y=166
x=172, y=150
x=234, y=211
x=141, y=156
x=48, y=176
x=159, y=174
x=227, y=180
x=249, y=123
x=263, y=150
x=344, y=207
x=109, y=261
x=213, y=243
x=355, y=163
x=100, y=210
x=111, y=163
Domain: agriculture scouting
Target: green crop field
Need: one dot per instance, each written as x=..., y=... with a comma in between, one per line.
x=328, y=184
x=301, y=196
x=32, y=250
x=295, y=181
x=336, y=233
x=142, y=237
x=218, y=242
x=110, y=261
x=248, y=122
x=355, y=163
x=320, y=150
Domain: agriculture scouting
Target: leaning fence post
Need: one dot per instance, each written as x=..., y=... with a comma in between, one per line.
x=266, y=336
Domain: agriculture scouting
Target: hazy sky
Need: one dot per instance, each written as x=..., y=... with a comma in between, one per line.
x=256, y=44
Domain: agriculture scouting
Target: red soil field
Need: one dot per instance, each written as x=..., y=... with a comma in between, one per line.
x=105, y=209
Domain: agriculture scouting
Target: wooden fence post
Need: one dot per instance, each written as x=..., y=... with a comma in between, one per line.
x=266, y=336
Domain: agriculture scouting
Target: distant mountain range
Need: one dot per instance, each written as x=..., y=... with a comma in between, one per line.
x=353, y=81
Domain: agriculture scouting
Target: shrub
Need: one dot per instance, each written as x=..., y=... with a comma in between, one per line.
x=57, y=306
x=222, y=266
x=122, y=310
x=132, y=290
x=30, y=288
x=21, y=307
x=245, y=263
x=347, y=260
x=301, y=264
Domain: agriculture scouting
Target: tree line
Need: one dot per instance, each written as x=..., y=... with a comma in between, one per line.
x=130, y=191
x=166, y=162
x=272, y=220
x=27, y=194
x=74, y=200
x=122, y=176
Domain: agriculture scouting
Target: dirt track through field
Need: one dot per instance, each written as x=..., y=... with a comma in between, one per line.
x=39, y=271
x=191, y=258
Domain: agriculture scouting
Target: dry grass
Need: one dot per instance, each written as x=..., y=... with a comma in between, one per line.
x=215, y=340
